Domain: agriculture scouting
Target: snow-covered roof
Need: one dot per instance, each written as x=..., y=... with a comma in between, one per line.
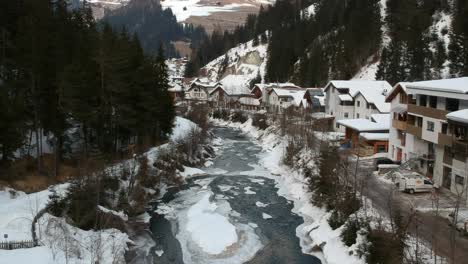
x=394, y=91
x=205, y=83
x=373, y=91
x=297, y=95
x=455, y=85
x=345, y=97
x=364, y=125
x=176, y=88
x=249, y=101
x=381, y=118
x=375, y=136
x=236, y=84
x=459, y=116
x=263, y=86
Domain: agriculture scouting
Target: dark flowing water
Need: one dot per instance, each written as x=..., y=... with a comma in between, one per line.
x=277, y=234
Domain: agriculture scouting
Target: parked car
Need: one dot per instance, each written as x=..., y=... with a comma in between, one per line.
x=413, y=182
x=379, y=161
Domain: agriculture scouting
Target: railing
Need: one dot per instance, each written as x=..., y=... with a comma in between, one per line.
x=445, y=140
x=398, y=124
x=17, y=244
x=414, y=130
x=427, y=111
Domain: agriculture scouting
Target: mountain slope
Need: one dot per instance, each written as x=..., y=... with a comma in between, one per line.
x=245, y=59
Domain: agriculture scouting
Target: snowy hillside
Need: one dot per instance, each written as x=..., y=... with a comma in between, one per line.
x=184, y=9
x=441, y=22
x=245, y=59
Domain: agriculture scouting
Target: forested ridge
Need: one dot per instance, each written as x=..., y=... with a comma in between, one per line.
x=154, y=26
x=62, y=76
x=341, y=37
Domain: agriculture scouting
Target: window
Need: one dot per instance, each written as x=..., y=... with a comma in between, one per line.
x=357, y=115
x=452, y=104
x=433, y=101
x=427, y=182
x=368, y=106
x=444, y=128
x=346, y=115
x=419, y=121
x=331, y=112
x=422, y=100
x=459, y=180
x=430, y=126
x=358, y=103
x=337, y=125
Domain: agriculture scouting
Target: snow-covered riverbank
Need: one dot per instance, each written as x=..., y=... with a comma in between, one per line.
x=60, y=242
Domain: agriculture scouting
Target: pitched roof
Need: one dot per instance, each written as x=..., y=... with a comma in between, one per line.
x=296, y=95
x=401, y=86
x=362, y=125
x=373, y=91
x=454, y=85
x=236, y=84
x=381, y=118
x=459, y=116
x=380, y=122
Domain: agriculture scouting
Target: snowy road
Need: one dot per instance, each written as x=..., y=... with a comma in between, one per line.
x=232, y=214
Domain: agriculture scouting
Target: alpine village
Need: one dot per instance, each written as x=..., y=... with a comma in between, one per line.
x=234, y=131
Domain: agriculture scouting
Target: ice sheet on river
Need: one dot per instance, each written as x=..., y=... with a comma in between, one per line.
x=208, y=231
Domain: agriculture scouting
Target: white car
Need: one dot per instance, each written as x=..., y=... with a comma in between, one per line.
x=413, y=182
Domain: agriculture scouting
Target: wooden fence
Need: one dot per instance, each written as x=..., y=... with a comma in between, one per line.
x=17, y=244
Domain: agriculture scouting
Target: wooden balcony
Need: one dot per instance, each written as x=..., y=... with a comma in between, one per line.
x=414, y=130
x=445, y=140
x=427, y=111
x=401, y=125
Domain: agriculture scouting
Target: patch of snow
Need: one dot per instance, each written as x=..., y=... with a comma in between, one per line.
x=182, y=128
x=248, y=191
x=120, y=214
x=184, y=9
x=260, y=204
x=210, y=230
x=266, y=216
x=159, y=252
x=189, y=172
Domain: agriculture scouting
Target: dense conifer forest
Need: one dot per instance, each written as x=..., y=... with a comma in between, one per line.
x=343, y=36
x=63, y=76
x=154, y=26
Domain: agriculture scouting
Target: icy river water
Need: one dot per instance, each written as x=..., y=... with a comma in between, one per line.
x=235, y=204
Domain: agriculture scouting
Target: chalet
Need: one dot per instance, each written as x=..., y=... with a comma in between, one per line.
x=199, y=89
x=231, y=88
x=280, y=98
x=367, y=137
x=355, y=100
x=262, y=90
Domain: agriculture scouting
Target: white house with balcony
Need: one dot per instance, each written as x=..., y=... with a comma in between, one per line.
x=436, y=130
x=355, y=100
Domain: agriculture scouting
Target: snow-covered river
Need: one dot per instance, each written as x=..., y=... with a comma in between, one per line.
x=232, y=214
